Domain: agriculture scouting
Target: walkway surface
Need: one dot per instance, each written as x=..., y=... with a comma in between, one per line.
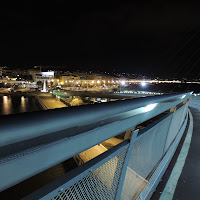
x=183, y=183
x=188, y=186
x=50, y=101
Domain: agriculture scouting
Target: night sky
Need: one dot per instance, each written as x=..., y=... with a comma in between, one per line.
x=128, y=37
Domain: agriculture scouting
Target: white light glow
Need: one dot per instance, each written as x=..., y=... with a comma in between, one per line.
x=123, y=82
x=149, y=107
x=183, y=96
x=48, y=74
x=143, y=84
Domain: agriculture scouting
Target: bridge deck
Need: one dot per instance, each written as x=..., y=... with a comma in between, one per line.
x=189, y=181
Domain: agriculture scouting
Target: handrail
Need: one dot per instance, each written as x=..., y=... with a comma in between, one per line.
x=42, y=127
x=84, y=176
x=29, y=139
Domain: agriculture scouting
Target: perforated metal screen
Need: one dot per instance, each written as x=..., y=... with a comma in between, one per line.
x=144, y=161
x=174, y=127
x=146, y=154
x=99, y=184
x=155, y=178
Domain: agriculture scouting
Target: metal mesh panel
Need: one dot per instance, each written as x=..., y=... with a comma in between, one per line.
x=100, y=184
x=146, y=154
x=154, y=180
x=174, y=127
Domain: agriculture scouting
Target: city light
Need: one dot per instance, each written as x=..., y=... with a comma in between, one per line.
x=123, y=82
x=143, y=84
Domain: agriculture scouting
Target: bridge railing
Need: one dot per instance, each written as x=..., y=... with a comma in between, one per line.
x=124, y=171
x=195, y=101
x=151, y=154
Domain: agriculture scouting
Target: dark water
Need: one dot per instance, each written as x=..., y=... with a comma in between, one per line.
x=18, y=104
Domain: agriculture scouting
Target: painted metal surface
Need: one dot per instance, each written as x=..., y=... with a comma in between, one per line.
x=96, y=179
x=78, y=129
x=132, y=176
x=37, y=124
x=146, y=154
x=150, y=187
x=126, y=161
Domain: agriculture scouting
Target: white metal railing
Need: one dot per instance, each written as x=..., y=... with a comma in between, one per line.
x=110, y=172
x=130, y=171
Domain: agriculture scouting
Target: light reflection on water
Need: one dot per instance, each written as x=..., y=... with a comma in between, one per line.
x=17, y=104
x=23, y=104
x=7, y=105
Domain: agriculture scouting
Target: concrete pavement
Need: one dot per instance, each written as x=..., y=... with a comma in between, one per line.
x=181, y=182
x=49, y=101
x=188, y=186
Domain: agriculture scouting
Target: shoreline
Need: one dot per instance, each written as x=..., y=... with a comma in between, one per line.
x=48, y=101
x=27, y=94
x=42, y=104
x=18, y=93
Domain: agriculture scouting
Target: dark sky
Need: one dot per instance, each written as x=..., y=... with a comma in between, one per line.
x=131, y=37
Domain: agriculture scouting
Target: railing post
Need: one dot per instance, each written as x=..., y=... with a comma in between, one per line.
x=185, y=103
x=129, y=133
x=126, y=161
x=172, y=110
